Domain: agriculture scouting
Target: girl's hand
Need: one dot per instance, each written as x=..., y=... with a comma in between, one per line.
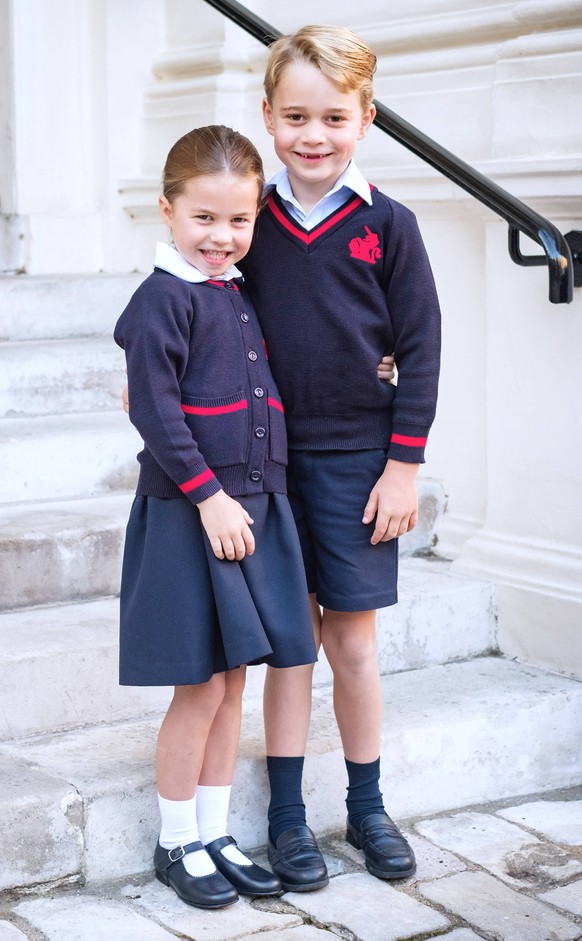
x=227, y=526
x=393, y=501
x=386, y=369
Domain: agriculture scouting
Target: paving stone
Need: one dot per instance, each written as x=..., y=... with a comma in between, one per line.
x=568, y=897
x=10, y=932
x=504, y=849
x=494, y=908
x=432, y=861
x=373, y=910
x=72, y=918
x=560, y=821
x=302, y=933
x=461, y=934
x=234, y=921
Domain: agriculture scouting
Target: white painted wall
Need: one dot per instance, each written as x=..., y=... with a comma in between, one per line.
x=84, y=134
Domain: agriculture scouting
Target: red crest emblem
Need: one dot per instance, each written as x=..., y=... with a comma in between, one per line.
x=366, y=249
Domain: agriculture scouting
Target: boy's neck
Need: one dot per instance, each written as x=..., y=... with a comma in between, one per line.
x=309, y=194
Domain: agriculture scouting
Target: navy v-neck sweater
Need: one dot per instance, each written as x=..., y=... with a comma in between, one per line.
x=332, y=301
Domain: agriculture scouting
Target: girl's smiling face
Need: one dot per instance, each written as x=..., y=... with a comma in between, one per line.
x=212, y=220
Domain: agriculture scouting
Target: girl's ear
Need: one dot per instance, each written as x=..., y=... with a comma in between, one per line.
x=166, y=211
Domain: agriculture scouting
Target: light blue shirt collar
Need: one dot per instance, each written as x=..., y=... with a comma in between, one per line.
x=169, y=258
x=351, y=181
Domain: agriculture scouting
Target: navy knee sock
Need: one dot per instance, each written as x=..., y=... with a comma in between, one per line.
x=286, y=808
x=364, y=795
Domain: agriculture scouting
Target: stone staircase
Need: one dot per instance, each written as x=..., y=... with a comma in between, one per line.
x=462, y=725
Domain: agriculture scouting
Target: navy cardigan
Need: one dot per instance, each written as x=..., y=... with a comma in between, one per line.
x=202, y=395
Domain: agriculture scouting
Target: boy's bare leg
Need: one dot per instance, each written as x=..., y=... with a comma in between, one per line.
x=349, y=641
x=287, y=702
x=293, y=851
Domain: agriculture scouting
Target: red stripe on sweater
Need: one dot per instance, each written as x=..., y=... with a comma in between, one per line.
x=274, y=404
x=309, y=237
x=196, y=481
x=214, y=409
x=408, y=441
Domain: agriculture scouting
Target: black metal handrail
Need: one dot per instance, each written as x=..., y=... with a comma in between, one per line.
x=519, y=216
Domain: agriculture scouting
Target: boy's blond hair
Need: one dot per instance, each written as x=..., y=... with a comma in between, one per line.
x=335, y=50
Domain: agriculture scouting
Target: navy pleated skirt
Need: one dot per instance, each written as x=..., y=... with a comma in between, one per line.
x=185, y=615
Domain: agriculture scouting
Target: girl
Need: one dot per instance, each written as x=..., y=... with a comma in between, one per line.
x=212, y=572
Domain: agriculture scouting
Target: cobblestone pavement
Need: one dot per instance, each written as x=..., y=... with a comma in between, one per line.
x=509, y=871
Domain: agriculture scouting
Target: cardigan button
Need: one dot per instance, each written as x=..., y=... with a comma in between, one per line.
x=260, y=432
x=252, y=356
x=229, y=285
x=258, y=392
x=255, y=476
x=244, y=317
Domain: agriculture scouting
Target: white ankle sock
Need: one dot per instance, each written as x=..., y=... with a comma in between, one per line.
x=179, y=828
x=212, y=803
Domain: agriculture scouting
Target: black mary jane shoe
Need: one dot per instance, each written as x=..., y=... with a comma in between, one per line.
x=297, y=860
x=248, y=880
x=211, y=891
x=386, y=852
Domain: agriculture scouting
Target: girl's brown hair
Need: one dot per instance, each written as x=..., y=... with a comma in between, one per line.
x=207, y=151
x=335, y=50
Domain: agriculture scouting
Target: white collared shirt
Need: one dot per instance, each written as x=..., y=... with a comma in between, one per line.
x=351, y=181
x=169, y=258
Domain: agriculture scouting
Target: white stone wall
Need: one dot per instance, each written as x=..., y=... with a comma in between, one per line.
x=84, y=134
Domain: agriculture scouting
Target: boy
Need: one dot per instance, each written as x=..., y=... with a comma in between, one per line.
x=339, y=275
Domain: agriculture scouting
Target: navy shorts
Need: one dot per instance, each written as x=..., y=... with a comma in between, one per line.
x=328, y=491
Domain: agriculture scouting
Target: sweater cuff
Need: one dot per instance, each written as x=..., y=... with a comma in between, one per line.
x=408, y=447
x=201, y=487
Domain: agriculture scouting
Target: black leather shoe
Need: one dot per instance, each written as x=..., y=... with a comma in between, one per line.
x=387, y=854
x=297, y=860
x=211, y=891
x=248, y=880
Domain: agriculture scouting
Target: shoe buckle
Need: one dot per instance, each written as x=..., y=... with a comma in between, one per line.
x=179, y=850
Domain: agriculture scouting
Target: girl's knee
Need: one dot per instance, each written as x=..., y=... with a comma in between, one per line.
x=210, y=693
x=234, y=683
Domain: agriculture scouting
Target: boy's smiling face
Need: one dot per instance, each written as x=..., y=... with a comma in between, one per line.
x=316, y=127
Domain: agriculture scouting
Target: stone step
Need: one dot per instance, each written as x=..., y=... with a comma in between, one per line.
x=61, y=551
x=66, y=456
x=83, y=804
x=39, y=307
x=45, y=377
x=58, y=665
x=64, y=550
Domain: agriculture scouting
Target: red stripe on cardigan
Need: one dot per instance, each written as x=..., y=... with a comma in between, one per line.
x=196, y=481
x=214, y=409
x=408, y=441
x=274, y=404
x=221, y=284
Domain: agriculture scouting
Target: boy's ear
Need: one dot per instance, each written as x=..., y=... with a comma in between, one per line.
x=268, y=116
x=165, y=210
x=367, y=121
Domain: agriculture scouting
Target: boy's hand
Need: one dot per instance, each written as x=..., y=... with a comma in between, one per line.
x=227, y=526
x=393, y=501
x=386, y=369
x=125, y=400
